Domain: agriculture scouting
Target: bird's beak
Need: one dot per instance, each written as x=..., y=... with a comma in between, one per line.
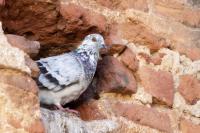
x=104, y=49
x=104, y=46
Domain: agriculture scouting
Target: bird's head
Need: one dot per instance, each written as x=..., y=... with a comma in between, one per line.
x=93, y=41
x=92, y=44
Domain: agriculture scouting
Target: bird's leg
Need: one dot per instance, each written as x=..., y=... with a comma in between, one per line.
x=59, y=107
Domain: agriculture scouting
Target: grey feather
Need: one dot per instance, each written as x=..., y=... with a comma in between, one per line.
x=60, y=70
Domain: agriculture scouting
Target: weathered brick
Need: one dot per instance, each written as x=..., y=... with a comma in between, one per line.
x=144, y=115
x=113, y=76
x=137, y=32
x=187, y=126
x=158, y=83
x=141, y=5
x=189, y=87
x=129, y=59
x=91, y=111
x=178, y=11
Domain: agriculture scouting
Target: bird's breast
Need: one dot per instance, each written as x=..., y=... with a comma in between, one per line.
x=89, y=63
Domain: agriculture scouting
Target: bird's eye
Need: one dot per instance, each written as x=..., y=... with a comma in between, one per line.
x=94, y=39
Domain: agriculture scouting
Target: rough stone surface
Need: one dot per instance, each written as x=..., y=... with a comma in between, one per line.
x=136, y=32
x=193, y=52
x=91, y=111
x=113, y=49
x=29, y=47
x=75, y=13
x=15, y=58
x=18, y=79
x=145, y=56
x=60, y=122
x=114, y=41
x=125, y=4
x=18, y=94
x=194, y=2
x=10, y=56
x=129, y=59
x=156, y=59
x=58, y=24
x=33, y=66
x=144, y=115
x=114, y=76
x=163, y=34
x=188, y=127
x=158, y=84
x=164, y=28
x=176, y=10
x=178, y=64
x=189, y=87
x=181, y=104
x=19, y=106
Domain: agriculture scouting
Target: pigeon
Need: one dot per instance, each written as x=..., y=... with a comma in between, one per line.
x=65, y=77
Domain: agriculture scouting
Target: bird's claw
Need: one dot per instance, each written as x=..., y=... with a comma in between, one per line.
x=72, y=111
x=59, y=107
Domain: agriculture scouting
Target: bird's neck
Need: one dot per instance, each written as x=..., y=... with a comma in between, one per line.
x=88, y=53
x=89, y=58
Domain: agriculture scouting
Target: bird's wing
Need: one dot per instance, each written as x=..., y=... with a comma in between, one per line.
x=58, y=72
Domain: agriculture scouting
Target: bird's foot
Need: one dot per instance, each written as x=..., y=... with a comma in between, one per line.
x=68, y=110
x=71, y=111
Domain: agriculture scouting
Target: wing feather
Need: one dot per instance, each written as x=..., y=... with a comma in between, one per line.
x=60, y=71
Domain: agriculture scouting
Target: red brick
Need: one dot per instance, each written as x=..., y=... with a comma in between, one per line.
x=139, y=33
x=113, y=76
x=178, y=11
x=71, y=11
x=91, y=111
x=144, y=115
x=29, y=47
x=187, y=126
x=76, y=12
x=193, y=52
x=129, y=59
x=189, y=88
x=158, y=83
x=95, y=19
x=114, y=40
x=18, y=80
